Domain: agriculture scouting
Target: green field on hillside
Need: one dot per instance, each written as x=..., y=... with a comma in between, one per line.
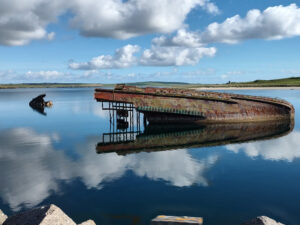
x=285, y=82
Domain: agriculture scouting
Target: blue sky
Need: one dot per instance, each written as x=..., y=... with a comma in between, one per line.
x=113, y=41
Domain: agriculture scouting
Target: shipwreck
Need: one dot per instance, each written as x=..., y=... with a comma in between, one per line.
x=172, y=105
x=38, y=104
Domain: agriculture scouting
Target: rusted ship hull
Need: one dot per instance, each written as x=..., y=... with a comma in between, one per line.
x=161, y=105
x=161, y=138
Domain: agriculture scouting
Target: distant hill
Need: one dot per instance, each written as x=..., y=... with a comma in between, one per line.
x=284, y=82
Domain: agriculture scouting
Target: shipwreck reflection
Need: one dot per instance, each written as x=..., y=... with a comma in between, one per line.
x=39, y=109
x=155, y=137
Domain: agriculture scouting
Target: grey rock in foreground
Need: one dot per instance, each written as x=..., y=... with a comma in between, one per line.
x=88, y=222
x=53, y=215
x=262, y=220
x=3, y=217
x=177, y=220
x=45, y=215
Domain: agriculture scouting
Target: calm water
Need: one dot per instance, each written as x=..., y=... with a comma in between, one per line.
x=53, y=159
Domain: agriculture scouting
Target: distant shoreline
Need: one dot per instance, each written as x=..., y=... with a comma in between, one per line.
x=187, y=86
x=279, y=84
x=283, y=83
x=247, y=88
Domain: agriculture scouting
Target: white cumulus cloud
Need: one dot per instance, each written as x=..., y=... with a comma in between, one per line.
x=22, y=21
x=43, y=75
x=276, y=22
x=183, y=49
x=123, y=57
x=9, y=76
x=183, y=38
x=175, y=56
x=125, y=19
x=188, y=47
x=33, y=76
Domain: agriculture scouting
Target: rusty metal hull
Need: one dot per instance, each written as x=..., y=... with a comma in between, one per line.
x=161, y=138
x=161, y=105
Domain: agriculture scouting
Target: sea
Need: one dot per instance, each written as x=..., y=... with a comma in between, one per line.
x=77, y=156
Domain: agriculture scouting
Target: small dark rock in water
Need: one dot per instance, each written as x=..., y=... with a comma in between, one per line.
x=39, y=103
x=262, y=220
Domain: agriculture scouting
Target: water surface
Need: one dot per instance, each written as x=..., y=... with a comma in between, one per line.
x=53, y=159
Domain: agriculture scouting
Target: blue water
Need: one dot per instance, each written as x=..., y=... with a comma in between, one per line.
x=53, y=159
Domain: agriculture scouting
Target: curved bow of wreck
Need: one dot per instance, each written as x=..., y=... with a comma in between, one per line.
x=172, y=105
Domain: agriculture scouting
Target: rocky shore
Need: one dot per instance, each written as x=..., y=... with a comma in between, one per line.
x=53, y=215
x=45, y=215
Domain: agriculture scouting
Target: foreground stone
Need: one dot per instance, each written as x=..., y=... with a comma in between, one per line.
x=176, y=220
x=88, y=222
x=3, y=217
x=53, y=215
x=45, y=215
x=262, y=220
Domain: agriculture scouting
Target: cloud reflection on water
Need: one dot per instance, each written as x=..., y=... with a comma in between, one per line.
x=31, y=168
x=285, y=148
